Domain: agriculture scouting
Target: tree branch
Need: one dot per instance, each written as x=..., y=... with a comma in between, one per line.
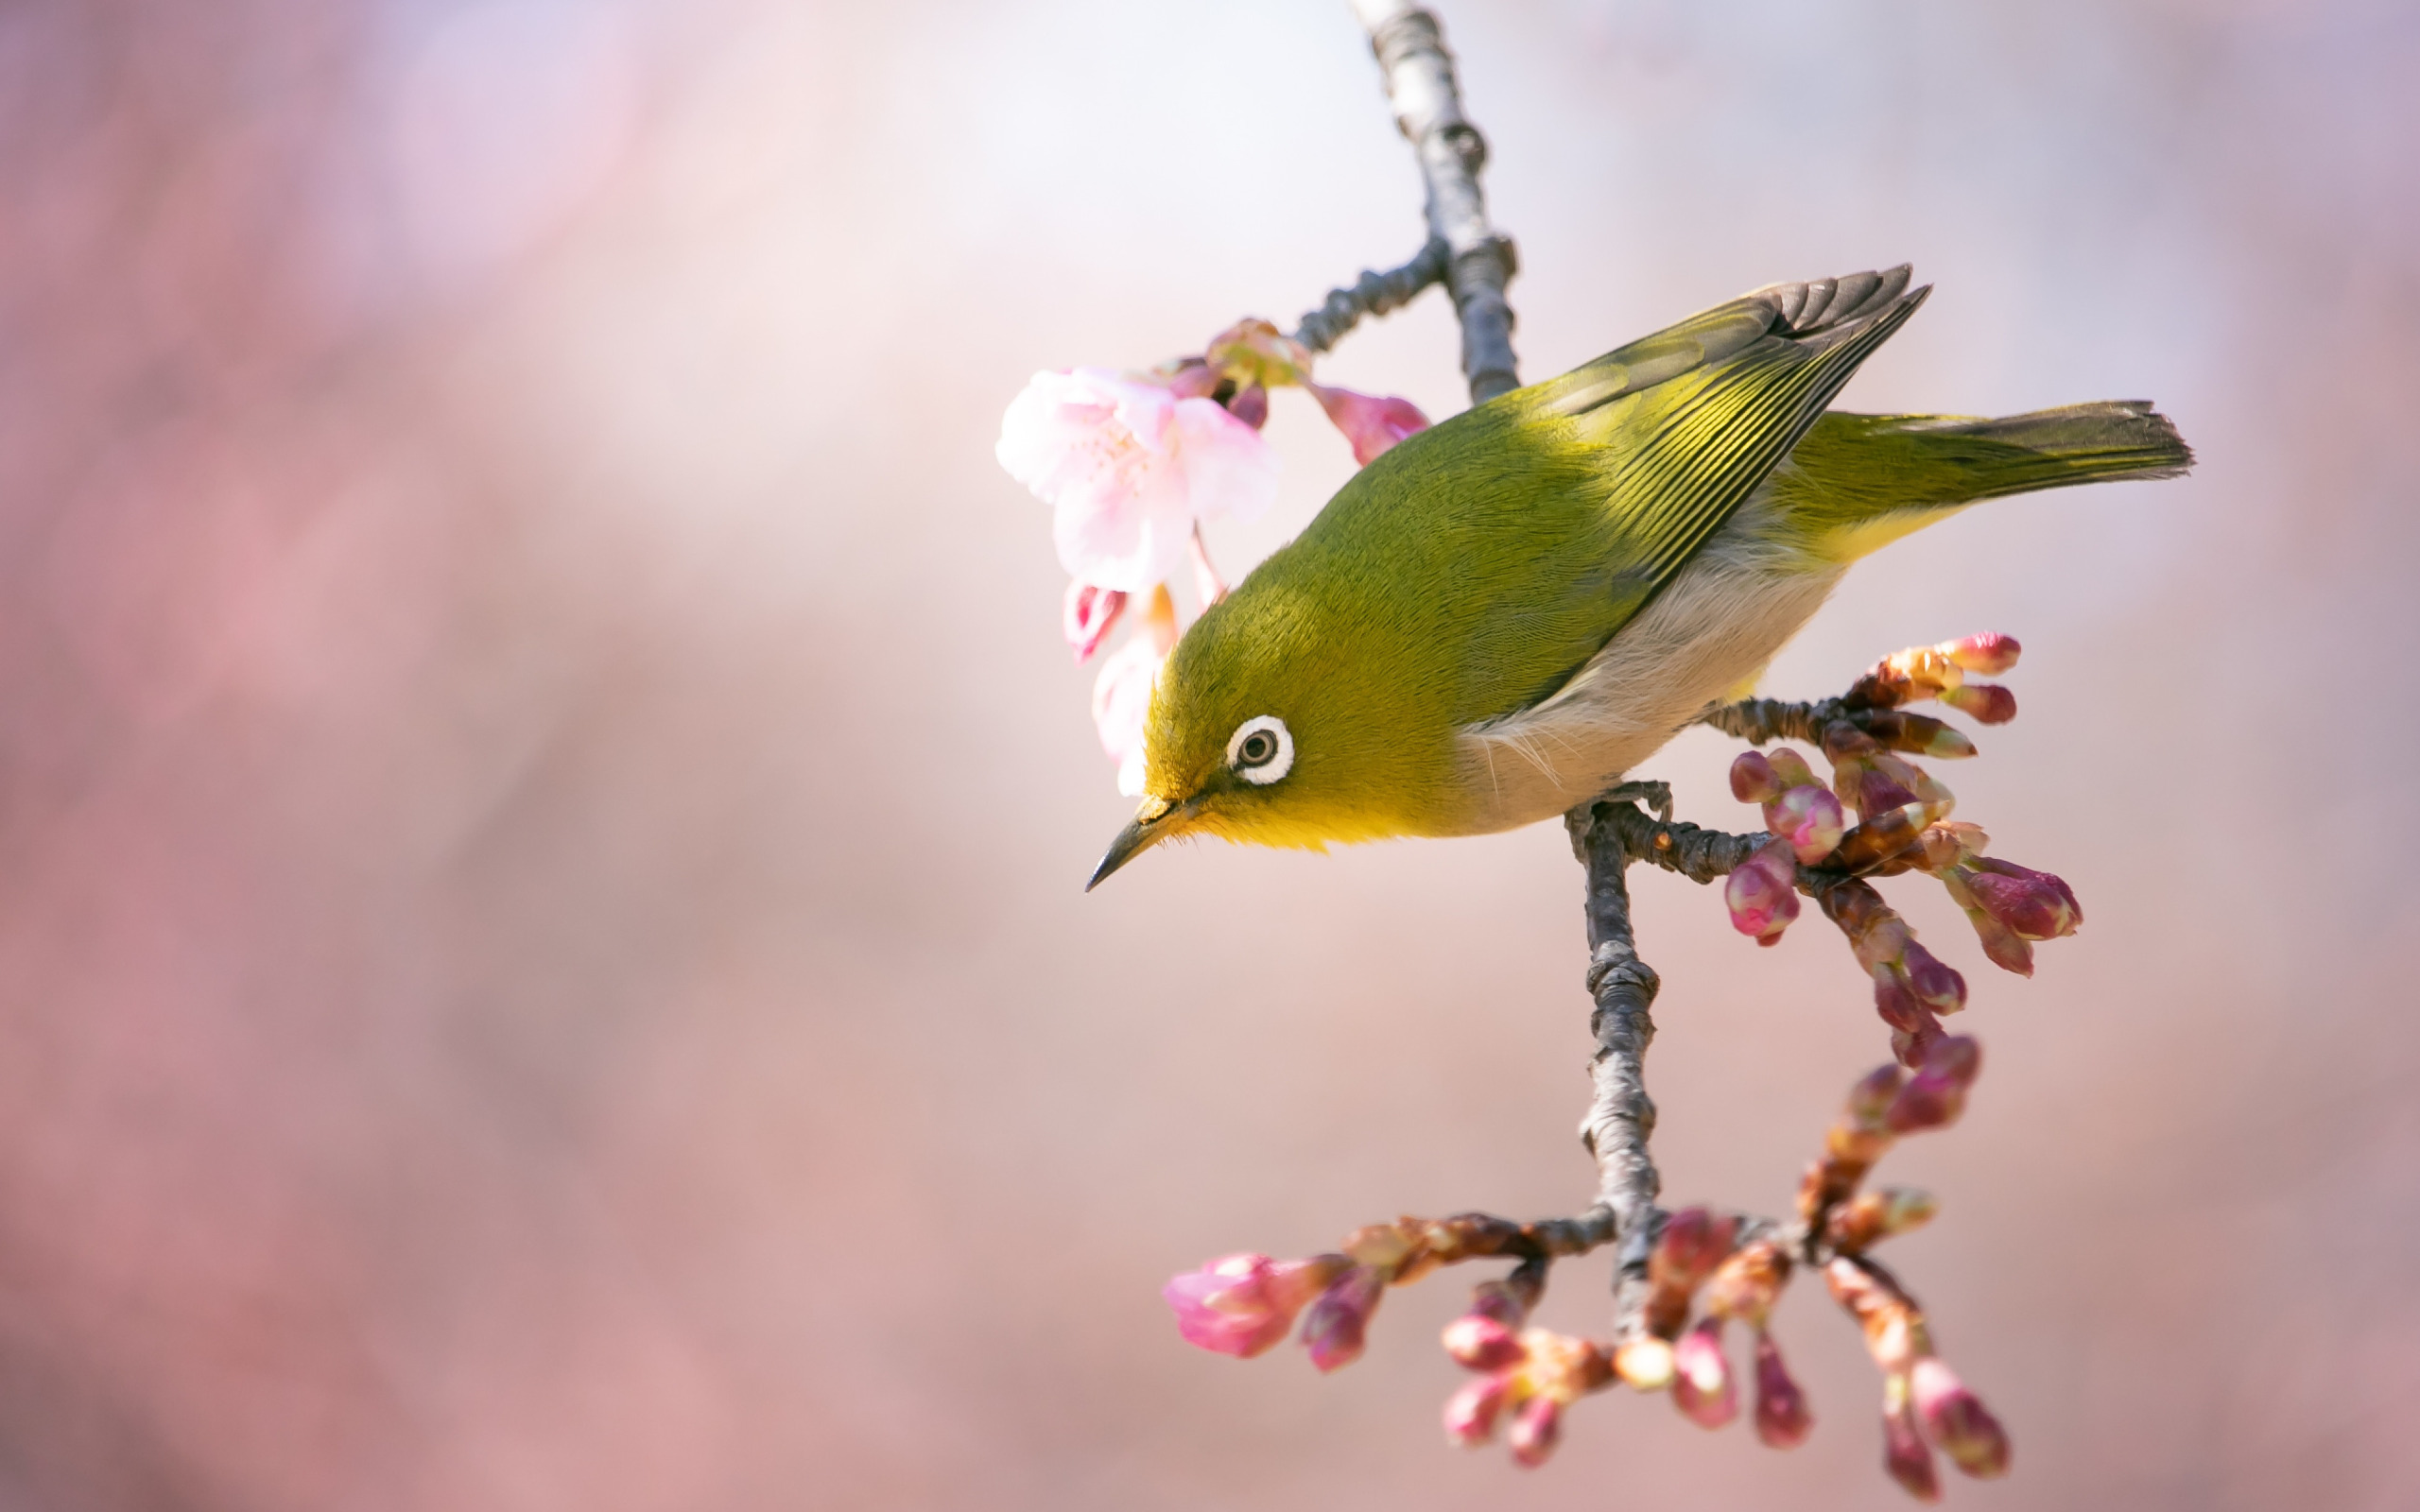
x=1428, y=111
x=1372, y=293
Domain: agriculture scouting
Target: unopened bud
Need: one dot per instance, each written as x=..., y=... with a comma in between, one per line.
x=1903, y=1455
x=1935, y=984
x=1470, y=1412
x=1535, y=1430
x=1880, y=838
x=1496, y=1299
x=1936, y=1094
x=1791, y=768
x=1870, y=1099
x=1956, y=1421
x=1921, y=734
x=1762, y=893
x=2035, y=904
x=1752, y=777
x=1809, y=817
x=1250, y=405
x=1242, y=1304
x=1870, y=1217
x=1693, y=1243
x=1701, y=1384
x=1334, y=1326
x=1986, y=703
x=1783, y=1419
x=1480, y=1343
x=1990, y=653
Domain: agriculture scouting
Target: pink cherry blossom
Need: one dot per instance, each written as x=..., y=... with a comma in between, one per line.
x=1127, y=465
x=1371, y=423
x=1090, y=614
x=1702, y=1383
x=1122, y=690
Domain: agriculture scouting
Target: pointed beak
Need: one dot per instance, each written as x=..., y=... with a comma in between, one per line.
x=1155, y=823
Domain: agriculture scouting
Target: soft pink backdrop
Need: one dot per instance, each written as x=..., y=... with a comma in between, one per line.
x=542, y=804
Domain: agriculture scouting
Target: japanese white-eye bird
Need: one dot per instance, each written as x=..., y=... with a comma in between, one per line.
x=1502, y=614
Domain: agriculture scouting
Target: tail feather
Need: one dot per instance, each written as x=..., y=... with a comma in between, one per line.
x=2050, y=448
x=1857, y=482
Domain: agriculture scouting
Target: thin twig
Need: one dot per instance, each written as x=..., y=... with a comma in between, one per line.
x=1372, y=293
x=1428, y=111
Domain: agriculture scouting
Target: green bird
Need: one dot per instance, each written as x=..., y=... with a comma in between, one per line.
x=1501, y=615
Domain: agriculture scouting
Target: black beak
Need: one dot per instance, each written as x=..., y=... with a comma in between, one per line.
x=1147, y=829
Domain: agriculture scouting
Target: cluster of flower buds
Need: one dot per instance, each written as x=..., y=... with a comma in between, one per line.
x=1925, y=1406
x=1525, y=1375
x=1743, y=1290
x=1132, y=463
x=1911, y=986
x=1939, y=673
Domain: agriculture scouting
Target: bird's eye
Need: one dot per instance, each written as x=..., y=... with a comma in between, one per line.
x=1261, y=750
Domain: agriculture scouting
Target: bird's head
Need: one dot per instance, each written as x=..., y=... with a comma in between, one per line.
x=1267, y=727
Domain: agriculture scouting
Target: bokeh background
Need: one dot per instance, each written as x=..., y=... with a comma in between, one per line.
x=541, y=802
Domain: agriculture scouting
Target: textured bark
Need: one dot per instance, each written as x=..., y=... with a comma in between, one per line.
x=1428, y=109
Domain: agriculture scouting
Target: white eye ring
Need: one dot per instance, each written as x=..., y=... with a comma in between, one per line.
x=1261, y=750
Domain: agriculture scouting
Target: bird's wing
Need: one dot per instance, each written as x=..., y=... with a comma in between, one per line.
x=1675, y=430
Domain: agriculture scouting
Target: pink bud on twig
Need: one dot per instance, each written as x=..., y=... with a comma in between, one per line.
x=1990, y=653
x=1537, y=1429
x=1762, y=892
x=2035, y=905
x=1986, y=703
x=1242, y=1304
x=1956, y=1421
x=1333, y=1327
x=1372, y=424
x=1810, y=819
x=1903, y=1455
x=1470, y=1412
x=1783, y=1419
x=1752, y=777
x=1477, y=1342
x=1701, y=1384
x=1936, y=1094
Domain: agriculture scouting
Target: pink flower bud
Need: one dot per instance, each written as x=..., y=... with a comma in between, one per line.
x=1752, y=777
x=1762, y=892
x=1090, y=614
x=1935, y=984
x=1693, y=1243
x=1936, y=1094
x=1899, y=1007
x=1470, y=1412
x=1810, y=819
x=1870, y=1098
x=1783, y=1419
x=1990, y=653
x=1371, y=425
x=1904, y=1453
x=1494, y=1298
x=1334, y=1326
x=1535, y=1430
x=1250, y=405
x=2035, y=905
x=1243, y=1304
x=1644, y=1363
x=1477, y=1342
x=1701, y=1384
x=1956, y=1419
x=1986, y=703
x=1792, y=769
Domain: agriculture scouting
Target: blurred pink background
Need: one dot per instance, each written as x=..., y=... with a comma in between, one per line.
x=543, y=806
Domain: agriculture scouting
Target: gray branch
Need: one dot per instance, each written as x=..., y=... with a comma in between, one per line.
x=1428, y=111
x=1621, y=1117
x=1372, y=294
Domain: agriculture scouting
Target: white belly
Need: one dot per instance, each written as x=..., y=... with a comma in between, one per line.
x=1712, y=628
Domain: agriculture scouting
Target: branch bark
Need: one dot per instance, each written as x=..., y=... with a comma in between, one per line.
x=1372, y=293
x=1428, y=111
